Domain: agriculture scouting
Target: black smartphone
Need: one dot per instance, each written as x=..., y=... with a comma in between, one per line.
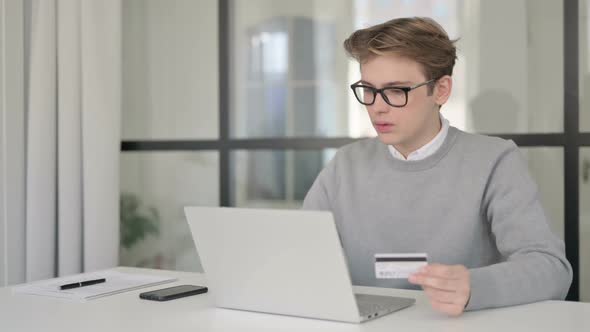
x=171, y=293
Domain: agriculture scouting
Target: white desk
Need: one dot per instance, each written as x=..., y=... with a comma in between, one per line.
x=126, y=312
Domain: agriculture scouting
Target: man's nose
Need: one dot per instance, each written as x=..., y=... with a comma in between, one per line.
x=380, y=106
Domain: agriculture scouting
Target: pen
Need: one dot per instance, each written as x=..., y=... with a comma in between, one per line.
x=82, y=283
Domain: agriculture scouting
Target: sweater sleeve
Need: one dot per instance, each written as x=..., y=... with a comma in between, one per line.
x=533, y=266
x=318, y=196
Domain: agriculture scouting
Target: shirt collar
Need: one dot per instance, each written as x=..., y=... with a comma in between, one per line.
x=429, y=148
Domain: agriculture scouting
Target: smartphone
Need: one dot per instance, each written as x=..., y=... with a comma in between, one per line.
x=171, y=293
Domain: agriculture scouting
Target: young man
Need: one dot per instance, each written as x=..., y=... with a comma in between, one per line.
x=466, y=200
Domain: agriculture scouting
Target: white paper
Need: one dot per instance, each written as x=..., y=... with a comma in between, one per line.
x=116, y=282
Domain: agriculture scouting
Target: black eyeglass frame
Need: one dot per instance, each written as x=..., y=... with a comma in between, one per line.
x=405, y=89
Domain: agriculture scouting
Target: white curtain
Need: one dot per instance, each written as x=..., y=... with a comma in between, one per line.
x=73, y=136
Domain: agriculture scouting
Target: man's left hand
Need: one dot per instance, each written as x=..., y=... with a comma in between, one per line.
x=447, y=286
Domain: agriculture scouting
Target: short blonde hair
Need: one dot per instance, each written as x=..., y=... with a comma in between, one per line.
x=418, y=38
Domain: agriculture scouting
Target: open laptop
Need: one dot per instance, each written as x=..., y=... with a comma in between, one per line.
x=281, y=262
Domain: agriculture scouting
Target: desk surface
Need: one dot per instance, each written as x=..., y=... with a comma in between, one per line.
x=126, y=312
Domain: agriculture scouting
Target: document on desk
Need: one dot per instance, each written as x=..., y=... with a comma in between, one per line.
x=116, y=282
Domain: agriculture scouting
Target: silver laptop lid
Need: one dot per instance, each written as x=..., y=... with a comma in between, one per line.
x=275, y=261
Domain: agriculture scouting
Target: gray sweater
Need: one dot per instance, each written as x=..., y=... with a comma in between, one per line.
x=472, y=202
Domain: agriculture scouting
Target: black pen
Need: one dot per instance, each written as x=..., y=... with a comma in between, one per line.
x=82, y=283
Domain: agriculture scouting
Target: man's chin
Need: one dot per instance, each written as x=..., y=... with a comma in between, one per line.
x=389, y=139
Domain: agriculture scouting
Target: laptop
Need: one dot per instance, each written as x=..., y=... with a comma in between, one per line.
x=281, y=262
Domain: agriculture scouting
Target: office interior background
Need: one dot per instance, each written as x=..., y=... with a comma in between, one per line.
x=242, y=103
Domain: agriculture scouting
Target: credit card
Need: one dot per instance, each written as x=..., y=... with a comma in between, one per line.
x=398, y=266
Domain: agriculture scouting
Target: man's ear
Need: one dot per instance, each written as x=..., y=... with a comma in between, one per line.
x=442, y=89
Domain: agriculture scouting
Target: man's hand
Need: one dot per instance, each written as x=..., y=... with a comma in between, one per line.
x=447, y=286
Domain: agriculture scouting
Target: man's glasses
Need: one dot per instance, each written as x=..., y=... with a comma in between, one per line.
x=394, y=96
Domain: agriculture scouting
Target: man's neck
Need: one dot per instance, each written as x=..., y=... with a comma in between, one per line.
x=428, y=135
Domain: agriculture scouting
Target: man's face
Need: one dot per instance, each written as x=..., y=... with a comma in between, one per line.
x=405, y=126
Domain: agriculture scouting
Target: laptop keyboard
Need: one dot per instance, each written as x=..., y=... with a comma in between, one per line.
x=370, y=304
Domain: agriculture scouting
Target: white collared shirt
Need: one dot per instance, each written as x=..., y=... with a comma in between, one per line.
x=430, y=148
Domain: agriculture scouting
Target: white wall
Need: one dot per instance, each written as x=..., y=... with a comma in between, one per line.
x=545, y=64
x=514, y=57
x=546, y=167
x=12, y=225
x=170, y=69
x=497, y=67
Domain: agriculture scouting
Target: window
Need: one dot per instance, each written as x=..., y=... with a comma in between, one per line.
x=261, y=87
